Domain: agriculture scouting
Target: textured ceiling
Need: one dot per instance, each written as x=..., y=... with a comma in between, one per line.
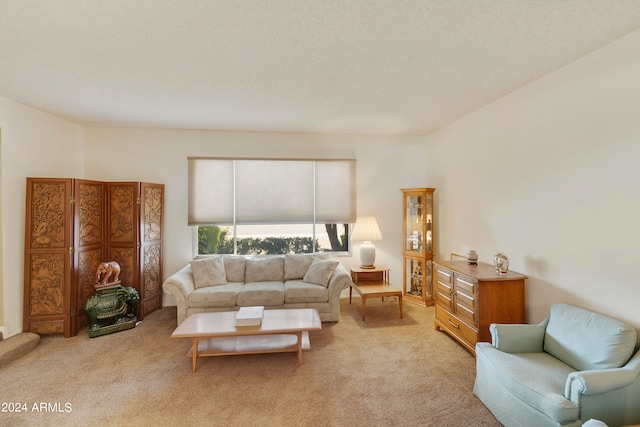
x=403, y=67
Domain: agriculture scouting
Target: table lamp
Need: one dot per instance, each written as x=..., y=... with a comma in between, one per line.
x=366, y=230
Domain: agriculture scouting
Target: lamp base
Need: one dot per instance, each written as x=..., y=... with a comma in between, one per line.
x=368, y=267
x=367, y=255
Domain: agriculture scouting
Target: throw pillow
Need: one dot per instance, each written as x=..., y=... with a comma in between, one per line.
x=266, y=269
x=208, y=272
x=320, y=271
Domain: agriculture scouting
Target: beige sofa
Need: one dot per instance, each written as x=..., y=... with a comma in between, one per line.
x=228, y=282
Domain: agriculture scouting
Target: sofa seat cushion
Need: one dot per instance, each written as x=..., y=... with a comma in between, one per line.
x=587, y=340
x=297, y=291
x=266, y=269
x=215, y=296
x=261, y=293
x=536, y=378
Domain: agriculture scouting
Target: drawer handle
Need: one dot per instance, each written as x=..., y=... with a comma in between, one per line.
x=453, y=324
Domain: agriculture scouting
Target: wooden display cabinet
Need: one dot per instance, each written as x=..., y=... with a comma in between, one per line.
x=417, y=223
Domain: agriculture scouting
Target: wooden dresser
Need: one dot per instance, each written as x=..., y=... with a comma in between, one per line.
x=471, y=297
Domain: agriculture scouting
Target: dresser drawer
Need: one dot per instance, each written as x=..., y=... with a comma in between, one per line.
x=457, y=327
x=443, y=288
x=443, y=275
x=465, y=284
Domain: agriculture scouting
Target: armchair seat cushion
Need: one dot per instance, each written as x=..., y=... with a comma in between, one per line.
x=536, y=378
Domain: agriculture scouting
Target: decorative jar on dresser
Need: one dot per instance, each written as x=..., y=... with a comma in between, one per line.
x=471, y=297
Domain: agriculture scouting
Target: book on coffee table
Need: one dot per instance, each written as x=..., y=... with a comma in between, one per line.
x=250, y=316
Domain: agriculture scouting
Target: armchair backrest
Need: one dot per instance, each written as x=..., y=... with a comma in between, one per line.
x=586, y=340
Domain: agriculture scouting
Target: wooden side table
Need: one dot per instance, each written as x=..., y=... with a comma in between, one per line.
x=373, y=283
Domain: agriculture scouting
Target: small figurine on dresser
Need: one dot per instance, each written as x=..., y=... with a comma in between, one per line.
x=113, y=307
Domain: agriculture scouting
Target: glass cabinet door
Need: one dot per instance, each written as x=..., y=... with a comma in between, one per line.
x=418, y=281
x=419, y=223
x=414, y=223
x=428, y=212
x=414, y=279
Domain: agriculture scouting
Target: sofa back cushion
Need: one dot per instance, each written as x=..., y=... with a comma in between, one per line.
x=586, y=340
x=234, y=265
x=296, y=265
x=270, y=268
x=208, y=272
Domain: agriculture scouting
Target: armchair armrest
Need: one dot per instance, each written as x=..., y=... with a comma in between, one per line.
x=518, y=338
x=598, y=381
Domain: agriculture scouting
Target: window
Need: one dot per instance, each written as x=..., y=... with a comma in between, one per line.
x=266, y=206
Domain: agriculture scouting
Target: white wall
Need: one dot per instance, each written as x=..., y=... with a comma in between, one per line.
x=546, y=174
x=384, y=165
x=34, y=143
x=549, y=175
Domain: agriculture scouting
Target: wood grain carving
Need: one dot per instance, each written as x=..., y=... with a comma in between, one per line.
x=48, y=210
x=152, y=270
x=126, y=258
x=88, y=262
x=122, y=210
x=47, y=327
x=46, y=289
x=152, y=213
x=91, y=208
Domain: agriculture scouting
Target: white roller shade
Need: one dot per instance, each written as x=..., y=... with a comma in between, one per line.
x=336, y=192
x=274, y=192
x=259, y=191
x=210, y=191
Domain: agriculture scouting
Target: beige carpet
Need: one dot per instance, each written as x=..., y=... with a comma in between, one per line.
x=386, y=371
x=17, y=346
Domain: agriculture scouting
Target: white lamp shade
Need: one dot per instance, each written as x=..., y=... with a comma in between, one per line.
x=366, y=229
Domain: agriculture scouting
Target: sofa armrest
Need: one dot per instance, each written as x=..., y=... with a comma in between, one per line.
x=518, y=338
x=341, y=279
x=180, y=285
x=598, y=381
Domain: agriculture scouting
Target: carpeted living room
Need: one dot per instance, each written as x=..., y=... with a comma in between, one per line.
x=495, y=144
x=350, y=377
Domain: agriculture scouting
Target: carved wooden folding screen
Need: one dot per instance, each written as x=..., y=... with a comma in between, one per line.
x=71, y=226
x=152, y=226
x=48, y=258
x=135, y=238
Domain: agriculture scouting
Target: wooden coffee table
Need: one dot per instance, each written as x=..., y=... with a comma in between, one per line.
x=216, y=334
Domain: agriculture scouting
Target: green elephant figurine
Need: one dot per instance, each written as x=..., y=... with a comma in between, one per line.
x=111, y=310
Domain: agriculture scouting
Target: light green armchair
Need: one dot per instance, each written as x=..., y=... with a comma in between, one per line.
x=574, y=366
